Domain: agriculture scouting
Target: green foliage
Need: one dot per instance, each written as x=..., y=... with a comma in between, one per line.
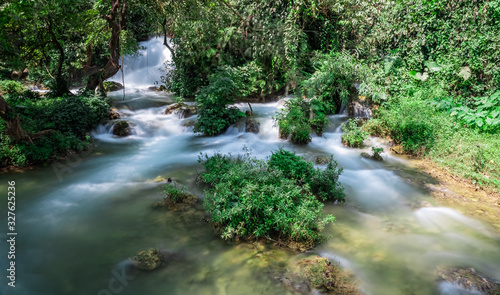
x=376, y=153
x=333, y=79
x=375, y=127
x=353, y=135
x=174, y=194
x=300, y=117
x=323, y=183
x=483, y=115
x=70, y=118
x=292, y=166
x=11, y=87
x=214, y=116
x=247, y=199
x=411, y=123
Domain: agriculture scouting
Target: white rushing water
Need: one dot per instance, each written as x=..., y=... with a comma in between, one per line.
x=146, y=67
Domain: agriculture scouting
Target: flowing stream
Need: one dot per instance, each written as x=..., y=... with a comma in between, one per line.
x=79, y=221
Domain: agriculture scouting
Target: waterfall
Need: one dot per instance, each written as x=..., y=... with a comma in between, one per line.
x=143, y=69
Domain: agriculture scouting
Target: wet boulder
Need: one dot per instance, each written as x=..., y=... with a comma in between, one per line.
x=360, y=107
x=157, y=89
x=121, y=129
x=182, y=110
x=113, y=114
x=110, y=86
x=252, y=125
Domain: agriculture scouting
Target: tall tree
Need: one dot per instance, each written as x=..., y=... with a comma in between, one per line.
x=114, y=18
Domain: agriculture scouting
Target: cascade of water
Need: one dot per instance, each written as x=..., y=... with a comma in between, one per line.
x=146, y=67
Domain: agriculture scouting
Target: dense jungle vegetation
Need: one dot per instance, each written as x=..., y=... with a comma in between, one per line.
x=430, y=69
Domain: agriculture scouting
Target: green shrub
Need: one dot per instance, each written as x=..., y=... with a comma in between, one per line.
x=174, y=194
x=70, y=118
x=292, y=166
x=353, y=136
x=376, y=153
x=11, y=87
x=375, y=127
x=484, y=113
x=214, y=116
x=300, y=117
x=246, y=199
x=412, y=123
x=324, y=184
x=332, y=81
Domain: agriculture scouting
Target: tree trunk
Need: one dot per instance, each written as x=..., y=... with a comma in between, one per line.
x=14, y=128
x=114, y=19
x=61, y=86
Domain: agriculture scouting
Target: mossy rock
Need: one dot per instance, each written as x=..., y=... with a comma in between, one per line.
x=322, y=160
x=147, y=260
x=121, y=129
x=110, y=86
x=323, y=275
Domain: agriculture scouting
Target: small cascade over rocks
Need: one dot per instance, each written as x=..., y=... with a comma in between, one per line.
x=144, y=69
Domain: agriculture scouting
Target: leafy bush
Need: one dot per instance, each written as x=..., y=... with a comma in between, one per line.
x=323, y=183
x=376, y=153
x=214, y=116
x=292, y=166
x=246, y=199
x=353, y=136
x=412, y=123
x=332, y=81
x=375, y=127
x=484, y=114
x=70, y=118
x=300, y=117
x=11, y=87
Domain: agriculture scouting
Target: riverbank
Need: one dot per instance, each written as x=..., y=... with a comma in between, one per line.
x=460, y=193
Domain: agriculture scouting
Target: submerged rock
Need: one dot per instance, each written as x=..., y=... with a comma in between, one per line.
x=469, y=279
x=121, y=129
x=189, y=123
x=252, y=125
x=153, y=258
x=318, y=273
x=366, y=155
x=322, y=160
x=147, y=260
